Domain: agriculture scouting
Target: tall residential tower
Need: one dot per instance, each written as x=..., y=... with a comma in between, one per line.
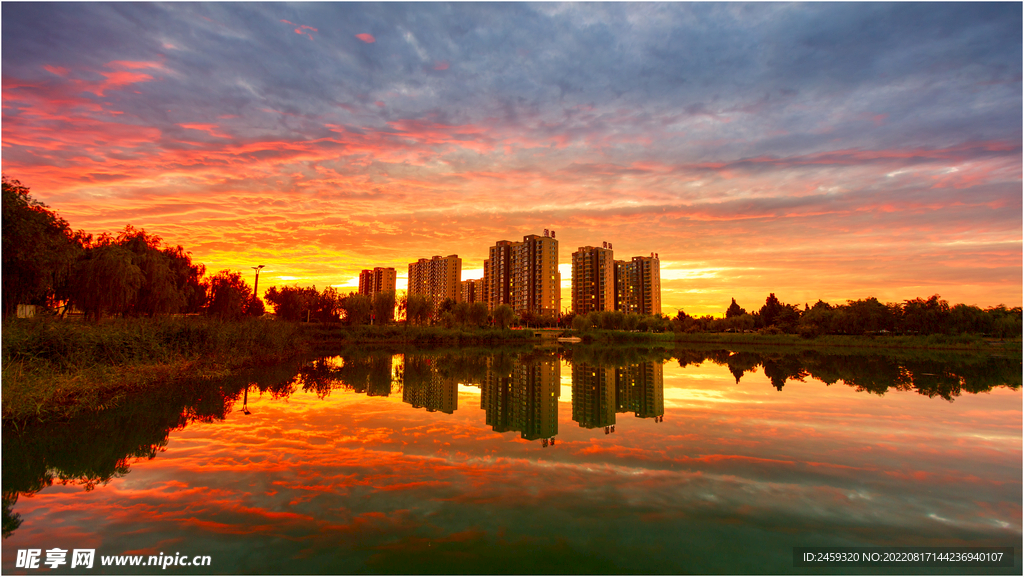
x=377, y=280
x=593, y=279
x=438, y=278
x=638, y=285
x=524, y=275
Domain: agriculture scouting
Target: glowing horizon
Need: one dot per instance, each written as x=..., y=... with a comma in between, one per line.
x=782, y=153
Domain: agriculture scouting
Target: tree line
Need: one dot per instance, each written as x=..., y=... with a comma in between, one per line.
x=918, y=316
x=134, y=273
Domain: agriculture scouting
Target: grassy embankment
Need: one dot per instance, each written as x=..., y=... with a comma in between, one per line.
x=52, y=368
x=325, y=335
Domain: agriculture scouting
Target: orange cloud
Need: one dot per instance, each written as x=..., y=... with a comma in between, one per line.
x=388, y=192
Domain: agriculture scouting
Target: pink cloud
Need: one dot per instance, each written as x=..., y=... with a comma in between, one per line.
x=133, y=65
x=368, y=38
x=58, y=70
x=301, y=28
x=441, y=65
x=211, y=129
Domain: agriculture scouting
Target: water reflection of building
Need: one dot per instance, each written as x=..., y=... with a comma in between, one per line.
x=372, y=374
x=423, y=386
x=593, y=395
x=640, y=388
x=522, y=395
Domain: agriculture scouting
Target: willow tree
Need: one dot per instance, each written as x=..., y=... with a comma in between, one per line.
x=418, y=308
x=229, y=295
x=384, y=307
x=503, y=315
x=357, y=308
x=107, y=281
x=159, y=293
x=39, y=250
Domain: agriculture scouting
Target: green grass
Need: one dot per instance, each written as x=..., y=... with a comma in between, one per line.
x=327, y=335
x=54, y=368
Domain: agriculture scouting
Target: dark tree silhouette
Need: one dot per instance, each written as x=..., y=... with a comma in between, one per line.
x=39, y=250
x=503, y=315
x=108, y=281
x=383, y=308
x=357, y=308
x=229, y=295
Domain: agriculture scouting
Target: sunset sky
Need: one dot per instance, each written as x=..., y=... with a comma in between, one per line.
x=832, y=151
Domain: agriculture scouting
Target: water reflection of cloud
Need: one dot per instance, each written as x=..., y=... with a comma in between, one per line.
x=706, y=395
x=339, y=481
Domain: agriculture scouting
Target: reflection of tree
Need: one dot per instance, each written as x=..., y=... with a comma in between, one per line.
x=873, y=373
x=379, y=380
x=93, y=448
x=780, y=368
x=11, y=520
x=740, y=363
x=519, y=392
x=367, y=373
x=319, y=377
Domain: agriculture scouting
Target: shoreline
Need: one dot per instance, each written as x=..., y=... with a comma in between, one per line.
x=54, y=369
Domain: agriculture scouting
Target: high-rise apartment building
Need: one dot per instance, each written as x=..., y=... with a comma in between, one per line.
x=438, y=278
x=474, y=291
x=536, y=282
x=499, y=279
x=467, y=292
x=484, y=289
x=638, y=285
x=593, y=279
x=377, y=280
x=524, y=275
x=624, y=294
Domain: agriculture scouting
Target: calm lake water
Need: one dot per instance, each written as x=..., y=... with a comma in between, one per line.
x=579, y=460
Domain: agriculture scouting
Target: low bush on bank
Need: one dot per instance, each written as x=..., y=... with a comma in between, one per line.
x=73, y=345
x=55, y=367
x=972, y=342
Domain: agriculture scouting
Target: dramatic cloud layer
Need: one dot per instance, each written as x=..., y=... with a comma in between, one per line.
x=815, y=151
